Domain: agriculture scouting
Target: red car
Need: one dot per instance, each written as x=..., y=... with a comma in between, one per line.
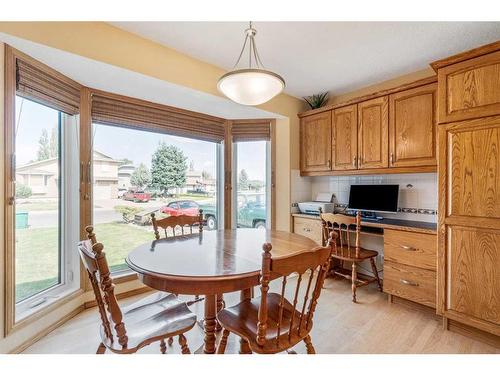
x=177, y=208
x=136, y=196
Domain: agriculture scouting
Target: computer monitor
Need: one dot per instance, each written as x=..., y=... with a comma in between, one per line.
x=374, y=198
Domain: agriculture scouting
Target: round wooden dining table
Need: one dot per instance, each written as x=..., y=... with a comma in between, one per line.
x=211, y=263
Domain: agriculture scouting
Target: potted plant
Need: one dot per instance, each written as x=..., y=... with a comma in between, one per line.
x=317, y=100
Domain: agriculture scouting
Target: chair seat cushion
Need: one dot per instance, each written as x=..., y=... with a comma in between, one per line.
x=152, y=318
x=242, y=319
x=344, y=253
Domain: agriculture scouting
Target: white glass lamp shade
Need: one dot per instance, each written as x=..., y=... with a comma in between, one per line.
x=251, y=86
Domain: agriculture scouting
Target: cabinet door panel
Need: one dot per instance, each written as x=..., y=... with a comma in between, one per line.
x=373, y=137
x=315, y=141
x=470, y=89
x=412, y=127
x=473, y=259
x=345, y=138
x=474, y=160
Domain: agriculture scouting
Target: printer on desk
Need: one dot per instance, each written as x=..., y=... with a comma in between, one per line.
x=323, y=201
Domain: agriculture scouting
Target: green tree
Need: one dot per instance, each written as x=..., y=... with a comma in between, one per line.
x=54, y=143
x=206, y=175
x=125, y=162
x=43, y=152
x=168, y=167
x=243, y=180
x=141, y=177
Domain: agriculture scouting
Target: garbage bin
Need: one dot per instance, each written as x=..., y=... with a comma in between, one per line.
x=21, y=220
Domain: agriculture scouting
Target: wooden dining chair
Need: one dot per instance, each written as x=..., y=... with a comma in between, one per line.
x=345, y=250
x=152, y=319
x=270, y=323
x=179, y=225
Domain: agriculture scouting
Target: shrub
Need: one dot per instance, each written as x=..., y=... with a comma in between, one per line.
x=23, y=191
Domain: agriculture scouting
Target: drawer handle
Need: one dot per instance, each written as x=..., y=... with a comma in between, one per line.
x=408, y=248
x=307, y=230
x=408, y=282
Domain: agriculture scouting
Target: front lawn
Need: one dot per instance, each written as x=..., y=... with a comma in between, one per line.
x=37, y=266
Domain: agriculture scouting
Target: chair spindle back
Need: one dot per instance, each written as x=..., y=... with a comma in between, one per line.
x=314, y=262
x=343, y=226
x=94, y=260
x=175, y=222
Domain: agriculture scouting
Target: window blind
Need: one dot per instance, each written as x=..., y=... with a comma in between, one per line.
x=36, y=81
x=117, y=110
x=251, y=130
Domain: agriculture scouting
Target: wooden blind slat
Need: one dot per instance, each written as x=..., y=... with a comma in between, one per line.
x=251, y=130
x=133, y=113
x=41, y=84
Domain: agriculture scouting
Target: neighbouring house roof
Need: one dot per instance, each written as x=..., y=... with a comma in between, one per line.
x=100, y=178
x=34, y=172
x=98, y=155
x=193, y=174
x=126, y=170
x=29, y=166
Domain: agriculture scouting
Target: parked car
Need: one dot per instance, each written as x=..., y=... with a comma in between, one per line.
x=251, y=210
x=137, y=196
x=184, y=207
x=191, y=208
x=121, y=192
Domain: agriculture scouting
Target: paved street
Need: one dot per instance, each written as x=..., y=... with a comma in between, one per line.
x=105, y=213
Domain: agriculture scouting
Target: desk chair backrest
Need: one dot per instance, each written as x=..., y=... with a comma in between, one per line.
x=94, y=260
x=314, y=261
x=343, y=226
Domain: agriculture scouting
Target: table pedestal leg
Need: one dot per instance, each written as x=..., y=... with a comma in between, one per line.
x=220, y=306
x=245, y=294
x=210, y=324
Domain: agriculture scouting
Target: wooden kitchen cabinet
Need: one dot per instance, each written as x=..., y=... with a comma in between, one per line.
x=469, y=188
x=344, y=138
x=316, y=150
x=391, y=131
x=412, y=127
x=470, y=88
x=373, y=133
x=469, y=221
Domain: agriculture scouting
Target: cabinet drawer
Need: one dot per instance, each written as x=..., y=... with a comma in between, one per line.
x=412, y=283
x=308, y=228
x=413, y=249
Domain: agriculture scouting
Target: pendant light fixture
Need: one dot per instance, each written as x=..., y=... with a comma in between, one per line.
x=254, y=84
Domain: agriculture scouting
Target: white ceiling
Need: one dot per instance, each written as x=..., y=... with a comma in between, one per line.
x=324, y=56
x=106, y=77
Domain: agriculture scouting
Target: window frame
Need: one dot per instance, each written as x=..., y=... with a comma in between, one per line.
x=68, y=203
x=126, y=275
x=270, y=199
x=16, y=315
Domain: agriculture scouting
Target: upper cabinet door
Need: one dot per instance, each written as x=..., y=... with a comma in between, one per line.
x=412, y=127
x=470, y=89
x=315, y=131
x=373, y=133
x=345, y=138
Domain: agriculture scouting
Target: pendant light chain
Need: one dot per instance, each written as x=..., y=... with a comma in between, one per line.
x=252, y=49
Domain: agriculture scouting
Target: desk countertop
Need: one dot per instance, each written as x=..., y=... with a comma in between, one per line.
x=407, y=225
